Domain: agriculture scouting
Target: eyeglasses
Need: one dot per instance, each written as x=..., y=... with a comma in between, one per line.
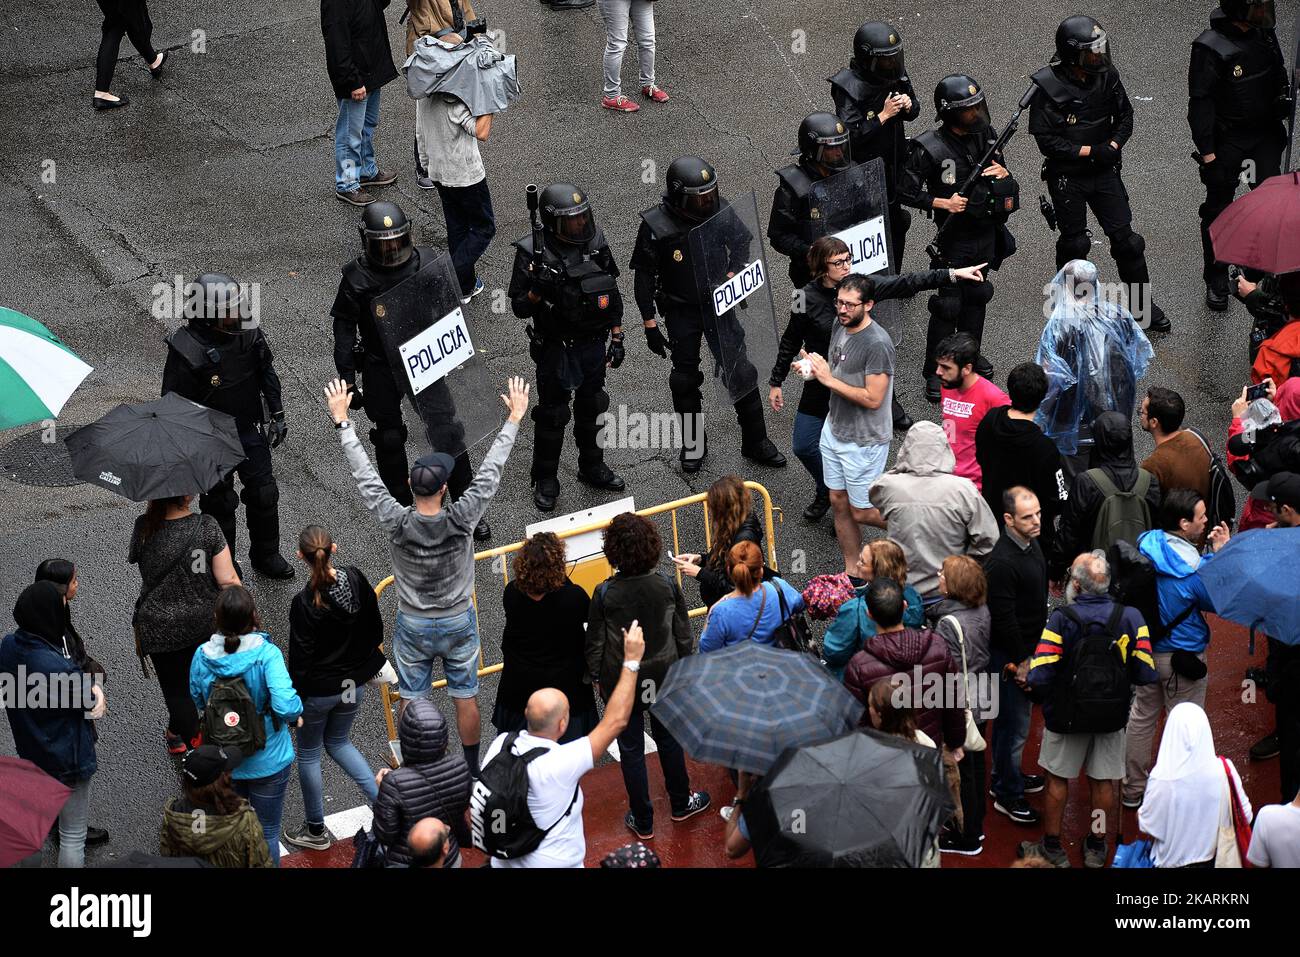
x=840, y=260
x=844, y=306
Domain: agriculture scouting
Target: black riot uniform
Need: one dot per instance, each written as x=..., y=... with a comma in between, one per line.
x=389, y=258
x=939, y=162
x=665, y=281
x=792, y=227
x=568, y=290
x=221, y=359
x=1238, y=91
x=859, y=92
x=1080, y=106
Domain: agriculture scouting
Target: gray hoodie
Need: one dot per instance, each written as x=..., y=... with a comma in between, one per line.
x=930, y=511
x=433, y=555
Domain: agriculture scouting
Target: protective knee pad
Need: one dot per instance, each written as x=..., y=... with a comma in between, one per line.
x=684, y=381
x=220, y=502
x=261, y=496
x=591, y=407
x=977, y=293
x=945, y=307
x=1127, y=245
x=1073, y=246
x=554, y=417
x=391, y=439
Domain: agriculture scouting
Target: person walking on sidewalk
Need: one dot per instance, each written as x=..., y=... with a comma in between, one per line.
x=617, y=13
x=129, y=17
x=360, y=61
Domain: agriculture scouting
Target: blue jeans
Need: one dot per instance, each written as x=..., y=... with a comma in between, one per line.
x=631, y=758
x=418, y=641
x=327, y=721
x=72, y=826
x=471, y=225
x=1010, y=730
x=266, y=795
x=354, y=146
x=807, y=446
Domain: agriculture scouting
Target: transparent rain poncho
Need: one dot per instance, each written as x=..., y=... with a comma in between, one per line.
x=1093, y=352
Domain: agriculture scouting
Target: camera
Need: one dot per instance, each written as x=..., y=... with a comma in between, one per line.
x=475, y=27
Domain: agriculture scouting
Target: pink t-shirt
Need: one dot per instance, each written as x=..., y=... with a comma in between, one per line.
x=962, y=411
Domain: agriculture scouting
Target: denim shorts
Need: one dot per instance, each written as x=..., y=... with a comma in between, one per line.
x=418, y=641
x=847, y=466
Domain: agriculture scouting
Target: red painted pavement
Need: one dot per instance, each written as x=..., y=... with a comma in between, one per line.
x=698, y=842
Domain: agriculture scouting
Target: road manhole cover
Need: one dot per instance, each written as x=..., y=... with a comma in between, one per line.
x=32, y=461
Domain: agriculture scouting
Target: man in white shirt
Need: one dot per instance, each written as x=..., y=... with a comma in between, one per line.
x=1275, y=841
x=554, y=796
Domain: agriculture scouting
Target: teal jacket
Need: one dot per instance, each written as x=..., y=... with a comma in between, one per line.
x=1178, y=587
x=853, y=626
x=261, y=666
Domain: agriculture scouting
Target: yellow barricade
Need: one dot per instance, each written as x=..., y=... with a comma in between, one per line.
x=590, y=572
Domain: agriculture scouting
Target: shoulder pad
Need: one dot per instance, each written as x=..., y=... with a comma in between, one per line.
x=796, y=179
x=1218, y=44
x=524, y=244
x=849, y=82
x=662, y=226
x=350, y=270
x=185, y=345
x=930, y=142
x=1051, y=84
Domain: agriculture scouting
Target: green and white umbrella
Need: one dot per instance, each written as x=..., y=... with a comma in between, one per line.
x=37, y=371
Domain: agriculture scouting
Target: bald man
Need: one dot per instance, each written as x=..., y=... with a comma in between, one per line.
x=554, y=797
x=428, y=843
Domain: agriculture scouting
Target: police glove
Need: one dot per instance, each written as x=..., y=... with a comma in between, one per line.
x=615, y=354
x=357, y=400
x=1103, y=154
x=656, y=341
x=535, y=350
x=278, y=429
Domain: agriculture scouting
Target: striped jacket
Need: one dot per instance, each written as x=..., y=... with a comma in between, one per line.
x=1046, y=664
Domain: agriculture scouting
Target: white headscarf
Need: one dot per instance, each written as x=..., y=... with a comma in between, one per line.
x=1186, y=802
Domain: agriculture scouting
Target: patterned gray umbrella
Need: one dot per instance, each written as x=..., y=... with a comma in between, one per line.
x=743, y=705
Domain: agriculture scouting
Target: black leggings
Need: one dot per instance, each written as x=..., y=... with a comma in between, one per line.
x=129, y=17
x=173, y=671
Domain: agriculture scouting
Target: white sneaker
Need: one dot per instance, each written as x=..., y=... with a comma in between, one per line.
x=727, y=811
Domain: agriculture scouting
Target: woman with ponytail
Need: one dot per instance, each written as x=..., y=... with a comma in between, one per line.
x=752, y=609
x=240, y=649
x=335, y=631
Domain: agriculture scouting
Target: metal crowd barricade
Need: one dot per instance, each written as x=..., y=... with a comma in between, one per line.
x=590, y=572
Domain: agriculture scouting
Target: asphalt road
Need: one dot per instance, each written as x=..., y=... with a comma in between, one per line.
x=227, y=164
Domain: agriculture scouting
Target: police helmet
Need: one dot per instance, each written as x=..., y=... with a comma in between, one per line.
x=1081, y=42
x=386, y=233
x=566, y=214
x=693, y=188
x=878, y=50
x=1258, y=13
x=961, y=105
x=824, y=141
x=215, y=301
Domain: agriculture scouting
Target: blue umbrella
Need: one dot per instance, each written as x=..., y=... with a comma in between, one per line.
x=1252, y=581
x=743, y=705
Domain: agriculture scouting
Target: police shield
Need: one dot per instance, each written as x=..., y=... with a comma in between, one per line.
x=734, y=290
x=431, y=351
x=854, y=205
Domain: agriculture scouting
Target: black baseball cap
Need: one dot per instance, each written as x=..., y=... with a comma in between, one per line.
x=1282, y=489
x=430, y=473
x=204, y=764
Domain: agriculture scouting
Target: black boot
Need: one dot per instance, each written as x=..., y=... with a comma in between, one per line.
x=262, y=510
x=546, y=491
x=902, y=421
x=272, y=566
x=482, y=531
x=754, y=443
x=933, y=388
x=600, y=475
x=694, y=439
x=983, y=367
x=1216, y=295
x=1159, y=321
x=818, y=507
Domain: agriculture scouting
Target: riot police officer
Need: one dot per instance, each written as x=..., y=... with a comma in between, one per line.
x=1081, y=118
x=874, y=97
x=939, y=162
x=1239, y=94
x=221, y=359
x=388, y=259
x=795, y=222
x=665, y=280
x=567, y=287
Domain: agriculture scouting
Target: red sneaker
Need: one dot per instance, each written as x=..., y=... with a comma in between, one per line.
x=653, y=92
x=620, y=103
x=175, y=743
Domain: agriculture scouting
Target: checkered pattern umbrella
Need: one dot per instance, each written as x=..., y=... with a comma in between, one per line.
x=740, y=707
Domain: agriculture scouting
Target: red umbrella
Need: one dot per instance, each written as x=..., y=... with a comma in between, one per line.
x=1261, y=229
x=30, y=800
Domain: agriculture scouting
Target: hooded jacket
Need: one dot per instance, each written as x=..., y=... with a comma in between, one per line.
x=58, y=740
x=1113, y=454
x=332, y=649
x=225, y=840
x=1016, y=452
x=430, y=783
x=1177, y=586
x=261, y=665
x=930, y=511
x=900, y=652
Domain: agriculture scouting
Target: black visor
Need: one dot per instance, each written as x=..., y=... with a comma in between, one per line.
x=1095, y=56
x=700, y=204
x=1262, y=15
x=391, y=251
x=578, y=227
x=970, y=119
x=886, y=66
x=834, y=154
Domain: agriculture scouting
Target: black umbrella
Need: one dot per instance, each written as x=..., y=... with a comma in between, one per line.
x=863, y=799
x=742, y=706
x=158, y=449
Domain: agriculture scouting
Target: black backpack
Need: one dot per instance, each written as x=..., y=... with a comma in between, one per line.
x=501, y=825
x=1094, y=697
x=1221, y=505
x=1133, y=583
x=1123, y=515
x=231, y=719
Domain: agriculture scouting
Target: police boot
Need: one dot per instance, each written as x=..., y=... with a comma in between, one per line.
x=1159, y=321
x=902, y=421
x=546, y=491
x=600, y=475
x=261, y=504
x=695, y=442
x=1216, y=294
x=754, y=443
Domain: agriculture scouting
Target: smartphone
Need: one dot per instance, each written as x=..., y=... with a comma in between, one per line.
x=671, y=556
x=1257, y=392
